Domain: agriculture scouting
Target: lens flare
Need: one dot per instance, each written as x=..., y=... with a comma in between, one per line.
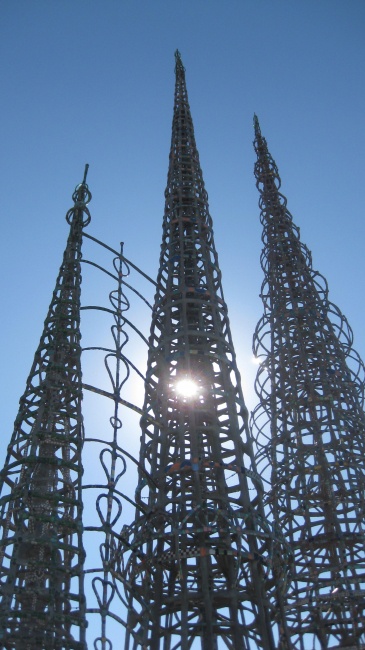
x=186, y=388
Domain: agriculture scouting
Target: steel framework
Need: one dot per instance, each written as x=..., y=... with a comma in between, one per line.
x=41, y=549
x=310, y=427
x=199, y=557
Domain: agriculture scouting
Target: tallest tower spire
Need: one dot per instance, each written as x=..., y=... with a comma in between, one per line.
x=199, y=544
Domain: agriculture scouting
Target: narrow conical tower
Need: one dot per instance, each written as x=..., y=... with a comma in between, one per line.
x=41, y=551
x=311, y=428
x=199, y=549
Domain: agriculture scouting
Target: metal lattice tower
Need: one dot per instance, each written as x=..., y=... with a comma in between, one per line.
x=311, y=427
x=41, y=549
x=198, y=557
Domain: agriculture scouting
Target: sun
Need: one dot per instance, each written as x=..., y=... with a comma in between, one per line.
x=186, y=388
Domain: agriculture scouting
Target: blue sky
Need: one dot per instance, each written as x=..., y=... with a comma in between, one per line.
x=93, y=81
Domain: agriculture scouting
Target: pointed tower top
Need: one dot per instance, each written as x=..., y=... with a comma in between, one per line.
x=266, y=170
x=81, y=197
x=85, y=174
x=179, y=64
x=256, y=124
x=82, y=187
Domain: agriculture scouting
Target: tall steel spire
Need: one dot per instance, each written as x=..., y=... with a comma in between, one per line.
x=311, y=428
x=199, y=551
x=41, y=551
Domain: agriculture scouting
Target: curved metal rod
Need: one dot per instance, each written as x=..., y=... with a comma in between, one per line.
x=101, y=268
x=98, y=486
x=107, y=309
x=126, y=320
x=136, y=268
x=134, y=460
x=112, y=250
x=122, y=356
x=120, y=400
x=126, y=284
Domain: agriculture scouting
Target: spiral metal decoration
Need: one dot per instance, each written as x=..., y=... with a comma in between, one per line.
x=41, y=546
x=110, y=606
x=310, y=430
x=108, y=503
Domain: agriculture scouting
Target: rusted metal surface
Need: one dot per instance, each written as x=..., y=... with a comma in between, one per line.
x=310, y=428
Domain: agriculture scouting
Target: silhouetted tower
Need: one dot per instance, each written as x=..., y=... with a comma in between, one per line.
x=311, y=428
x=41, y=550
x=199, y=550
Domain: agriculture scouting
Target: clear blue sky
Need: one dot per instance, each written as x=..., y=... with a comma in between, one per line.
x=93, y=81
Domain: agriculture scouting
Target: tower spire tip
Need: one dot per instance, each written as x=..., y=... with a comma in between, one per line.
x=256, y=124
x=178, y=61
x=85, y=174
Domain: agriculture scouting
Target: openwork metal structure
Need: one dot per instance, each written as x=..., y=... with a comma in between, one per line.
x=199, y=556
x=310, y=427
x=41, y=549
x=201, y=565
x=106, y=475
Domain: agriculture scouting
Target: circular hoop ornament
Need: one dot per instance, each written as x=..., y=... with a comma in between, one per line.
x=79, y=206
x=86, y=194
x=115, y=422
